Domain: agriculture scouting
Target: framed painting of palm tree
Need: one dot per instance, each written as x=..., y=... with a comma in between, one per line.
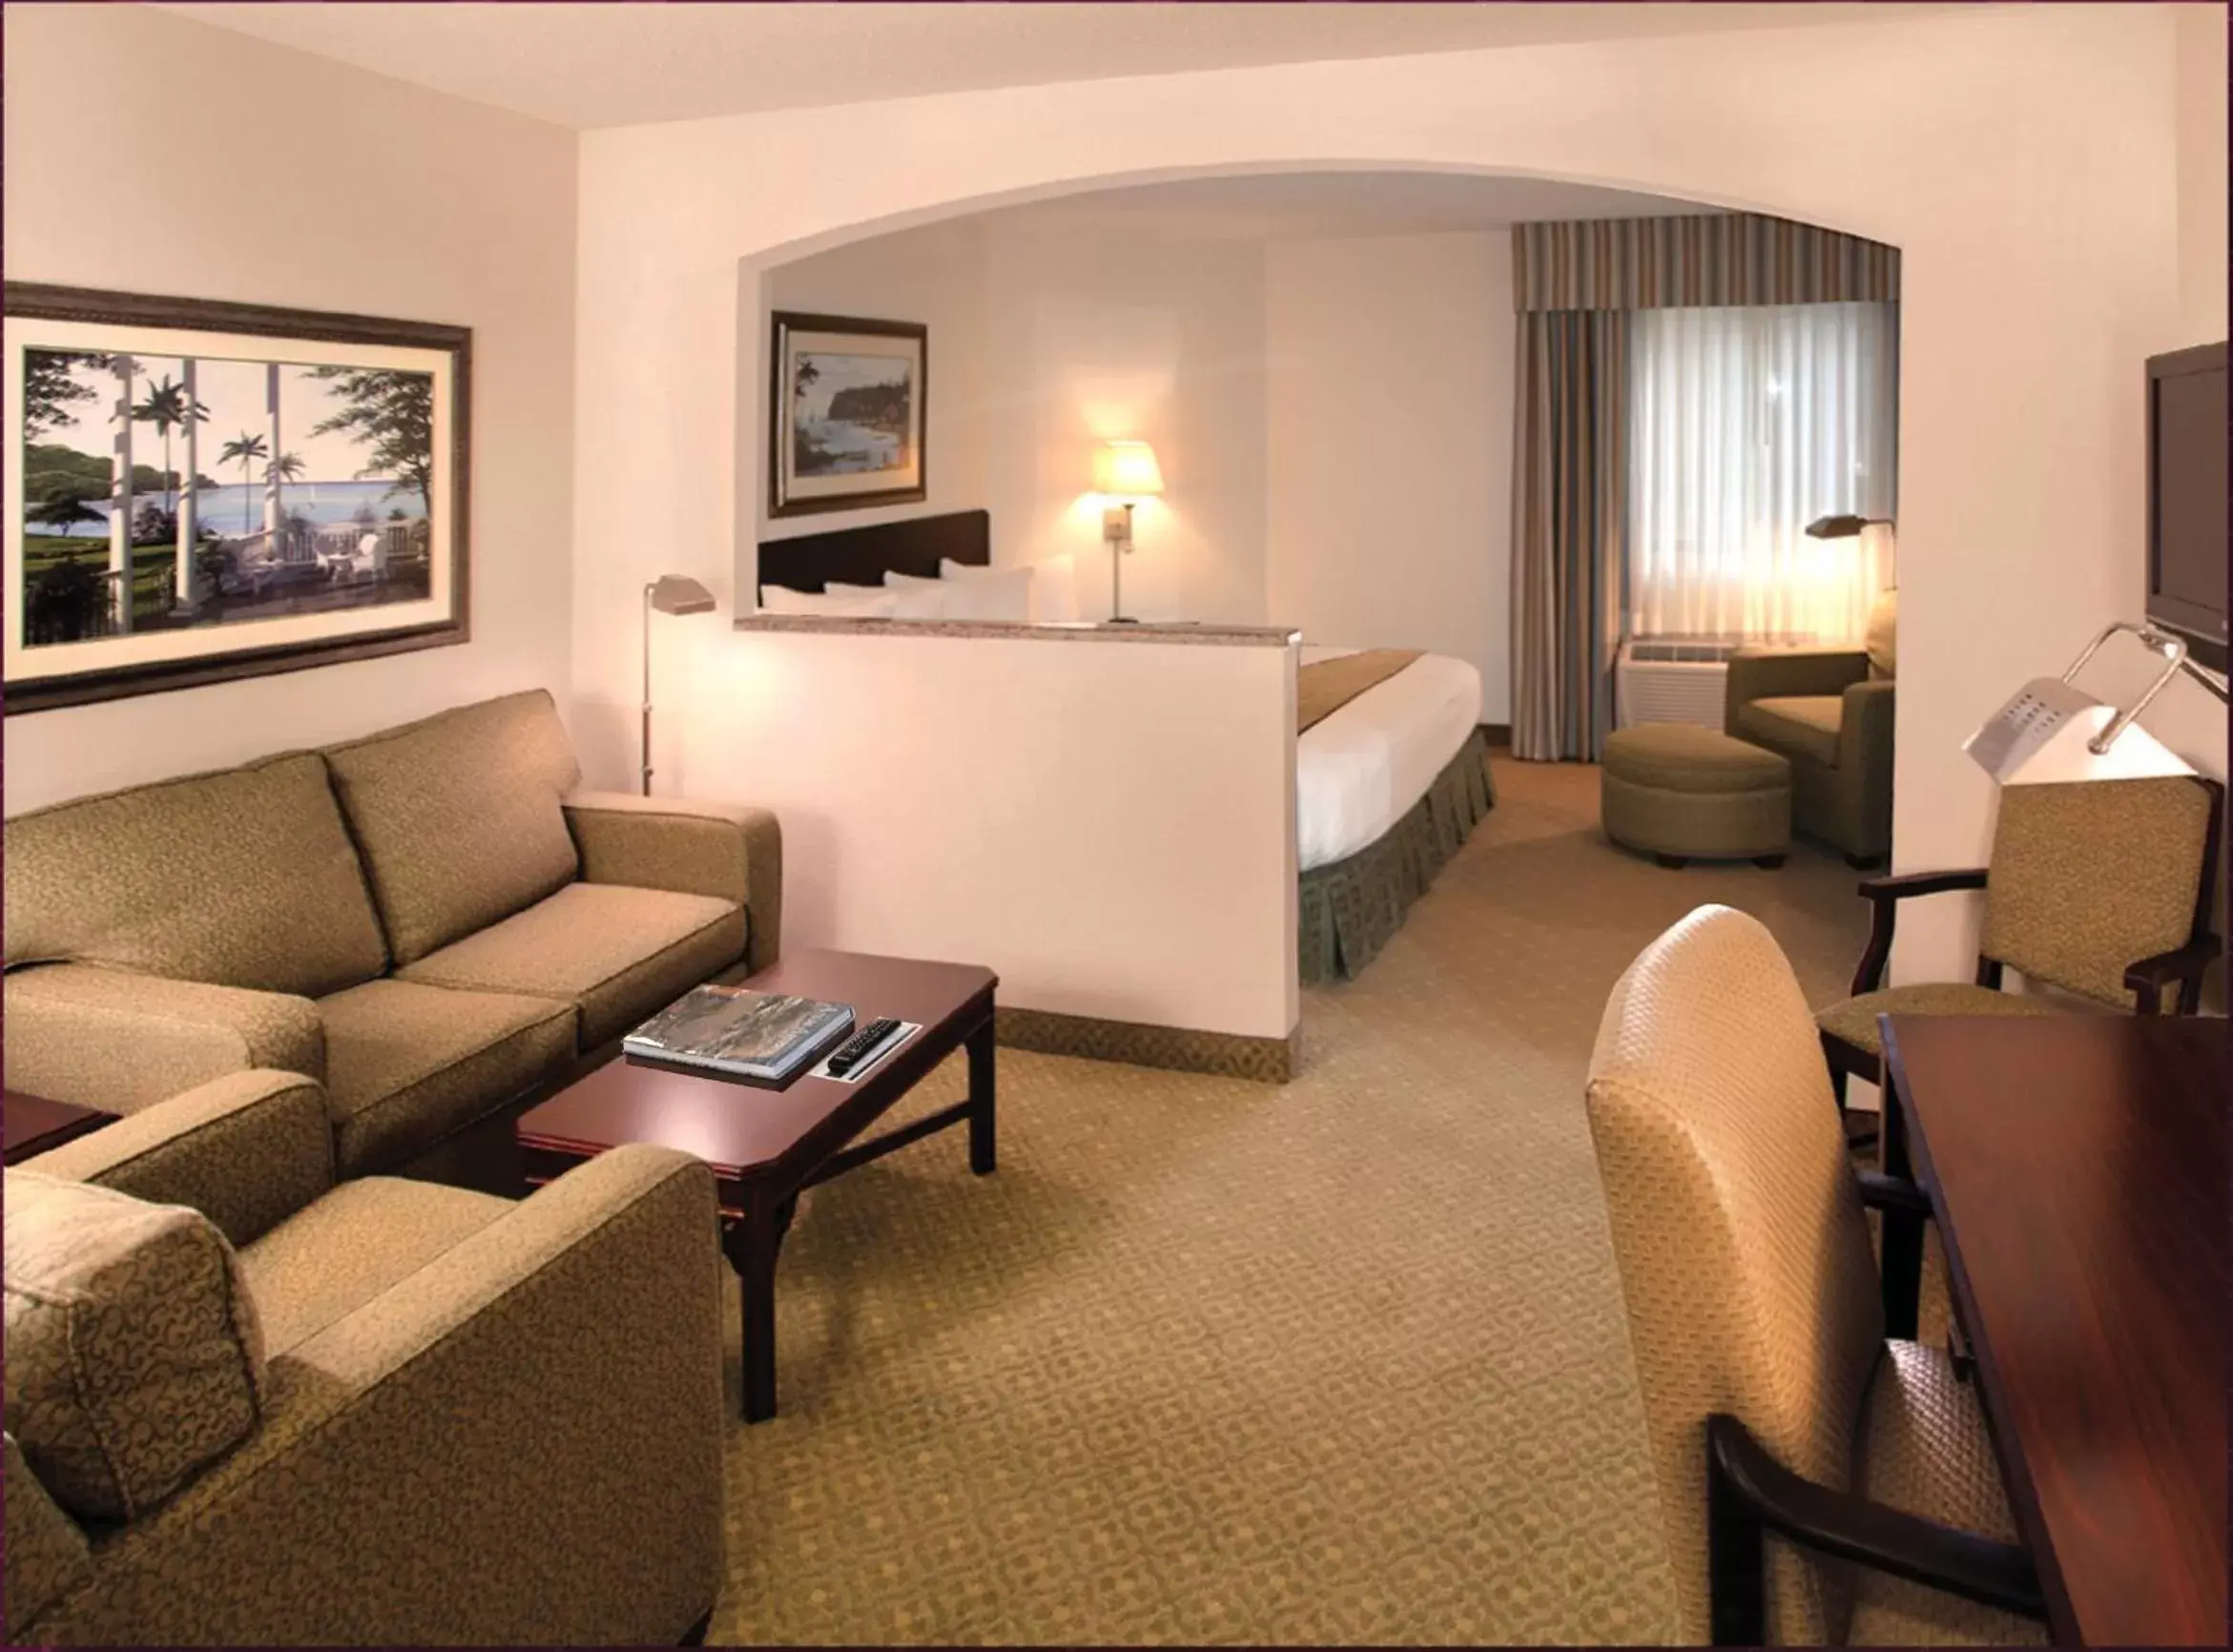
x=845, y=413
x=198, y=491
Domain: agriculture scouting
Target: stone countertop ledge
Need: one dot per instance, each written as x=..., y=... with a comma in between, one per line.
x=1082, y=632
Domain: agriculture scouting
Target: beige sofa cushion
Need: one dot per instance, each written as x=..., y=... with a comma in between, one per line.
x=1806, y=724
x=458, y=816
x=245, y=877
x=617, y=954
x=349, y=1245
x=135, y=1355
x=407, y=1065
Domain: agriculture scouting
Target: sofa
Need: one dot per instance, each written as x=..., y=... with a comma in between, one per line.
x=1828, y=712
x=431, y=921
x=248, y=1404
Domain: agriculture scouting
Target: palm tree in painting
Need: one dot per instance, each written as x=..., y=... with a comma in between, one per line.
x=287, y=467
x=167, y=407
x=244, y=450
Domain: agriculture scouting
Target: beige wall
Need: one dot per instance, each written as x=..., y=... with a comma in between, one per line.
x=153, y=154
x=1389, y=458
x=1095, y=329
x=2023, y=159
x=1108, y=825
x=935, y=276
x=1052, y=329
x=2202, y=172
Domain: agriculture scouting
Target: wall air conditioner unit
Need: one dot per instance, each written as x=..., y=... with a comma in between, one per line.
x=1671, y=680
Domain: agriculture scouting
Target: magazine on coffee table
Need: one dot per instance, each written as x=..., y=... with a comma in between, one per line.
x=760, y=1036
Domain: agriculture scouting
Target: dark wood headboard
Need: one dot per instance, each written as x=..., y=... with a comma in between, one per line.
x=864, y=555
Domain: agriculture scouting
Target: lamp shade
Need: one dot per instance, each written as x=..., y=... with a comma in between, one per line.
x=678, y=593
x=1127, y=470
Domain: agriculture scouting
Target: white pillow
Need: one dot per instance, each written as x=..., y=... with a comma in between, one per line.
x=1001, y=594
x=917, y=599
x=782, y=599
x=1054, y=590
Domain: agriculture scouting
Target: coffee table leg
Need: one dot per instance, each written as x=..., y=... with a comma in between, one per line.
x=982, y=1114
x=752, y=1243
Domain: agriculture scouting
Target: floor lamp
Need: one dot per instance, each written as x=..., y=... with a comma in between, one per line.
x=669, y=593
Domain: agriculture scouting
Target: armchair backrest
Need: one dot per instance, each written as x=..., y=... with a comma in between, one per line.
x=1743, y=1254
x=2088, y=877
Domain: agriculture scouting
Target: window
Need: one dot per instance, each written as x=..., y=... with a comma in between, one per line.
x=1746, y=423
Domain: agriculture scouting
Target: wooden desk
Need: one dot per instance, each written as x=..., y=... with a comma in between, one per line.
x=2076, y=1168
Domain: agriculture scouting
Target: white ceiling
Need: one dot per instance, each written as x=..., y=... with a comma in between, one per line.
x=596, y=65
x=1281, y=206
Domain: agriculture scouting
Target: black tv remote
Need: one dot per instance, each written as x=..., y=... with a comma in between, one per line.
x=849, y=1052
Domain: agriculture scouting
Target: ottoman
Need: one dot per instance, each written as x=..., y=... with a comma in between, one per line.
x=1677, y=791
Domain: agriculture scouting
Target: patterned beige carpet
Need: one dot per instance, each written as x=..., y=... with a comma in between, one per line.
x=1341, y=1361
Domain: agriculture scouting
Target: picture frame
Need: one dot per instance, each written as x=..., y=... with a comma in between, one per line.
x=847, y=404
x=288, y=489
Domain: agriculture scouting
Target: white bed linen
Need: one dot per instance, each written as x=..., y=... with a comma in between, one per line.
x=1360, y=769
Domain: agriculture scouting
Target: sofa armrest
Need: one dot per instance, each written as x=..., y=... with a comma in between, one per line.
x=1766, y=673
x=690, y=848
x=247, y=1150
x=45, y=1552
x=102, y=1038
x=522, y=1443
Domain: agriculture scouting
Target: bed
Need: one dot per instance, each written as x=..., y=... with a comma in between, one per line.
x=1388, y=786
x=1387, y=789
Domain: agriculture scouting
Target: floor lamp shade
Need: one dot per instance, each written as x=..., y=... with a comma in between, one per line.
x=672, y=593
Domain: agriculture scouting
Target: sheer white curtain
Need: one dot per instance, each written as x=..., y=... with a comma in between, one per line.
x=1746, y=424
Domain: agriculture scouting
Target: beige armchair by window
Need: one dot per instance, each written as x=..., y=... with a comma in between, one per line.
x=1809, y=1471
x=2099, y=889
x=1829, y=712
x=248, y=1405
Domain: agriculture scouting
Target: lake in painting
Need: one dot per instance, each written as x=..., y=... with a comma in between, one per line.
x=851, y=414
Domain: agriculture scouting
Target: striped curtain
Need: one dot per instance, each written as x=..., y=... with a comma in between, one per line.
x=1575, y=286
x=1569, y=524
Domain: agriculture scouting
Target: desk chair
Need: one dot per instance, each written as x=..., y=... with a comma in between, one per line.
x=1813, y=1479
x=2101, y=889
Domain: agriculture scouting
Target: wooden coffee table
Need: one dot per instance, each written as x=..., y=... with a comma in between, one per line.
x=767, y=1146
x=35, y=1124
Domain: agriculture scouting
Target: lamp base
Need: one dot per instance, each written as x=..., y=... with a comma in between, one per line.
x=1120, y=619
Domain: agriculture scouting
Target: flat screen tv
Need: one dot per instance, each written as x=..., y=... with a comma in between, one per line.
x=2186, y=498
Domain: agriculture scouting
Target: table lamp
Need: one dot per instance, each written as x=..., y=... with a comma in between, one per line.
x=1125, y=472
x=669, y=593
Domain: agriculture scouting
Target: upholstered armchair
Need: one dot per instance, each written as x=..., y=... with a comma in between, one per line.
x=1818, y=1484
x=248, y=1405
x=2099, y=890
x=1828, y=712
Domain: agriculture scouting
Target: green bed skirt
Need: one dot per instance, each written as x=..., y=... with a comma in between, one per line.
x=1350, y=908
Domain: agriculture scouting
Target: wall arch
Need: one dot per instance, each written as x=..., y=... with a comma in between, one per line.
x=2023, y=159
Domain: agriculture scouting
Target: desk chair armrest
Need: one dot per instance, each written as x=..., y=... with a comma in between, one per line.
x=1882, y=1193
x=1884, y=896
x=2182, y=968
x=1748, y=1492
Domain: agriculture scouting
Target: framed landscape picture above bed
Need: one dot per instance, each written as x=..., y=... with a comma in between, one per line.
x=845, y=413
x=198, y=491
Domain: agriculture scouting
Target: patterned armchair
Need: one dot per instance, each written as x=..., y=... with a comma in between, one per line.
x=2101, y=890
x=1818, y=1483
x=248, y=1405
